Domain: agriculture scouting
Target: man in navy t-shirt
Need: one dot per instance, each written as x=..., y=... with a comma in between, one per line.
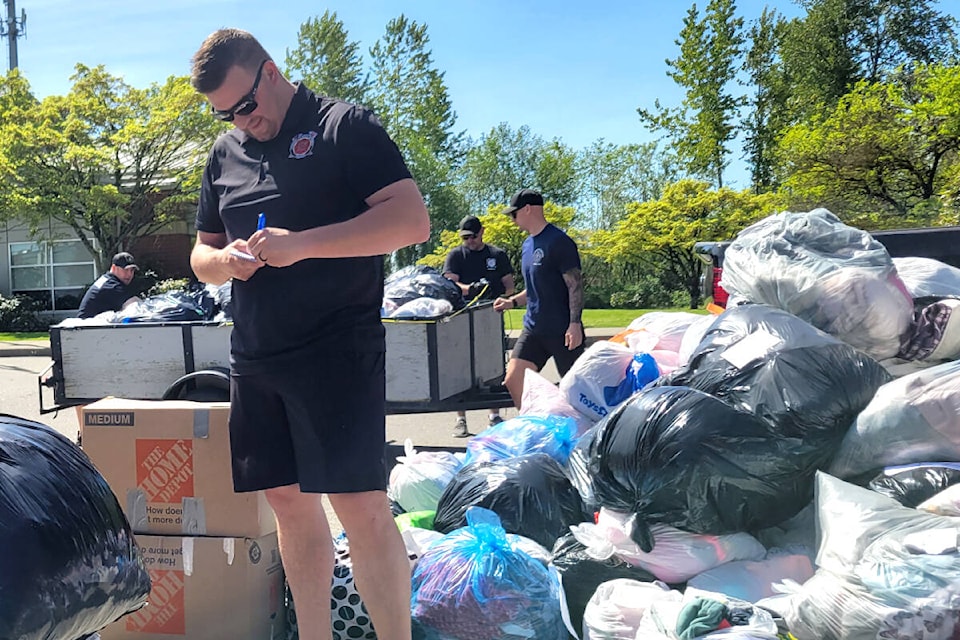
x=483, y=270
x=111, y=291
x=550, y=264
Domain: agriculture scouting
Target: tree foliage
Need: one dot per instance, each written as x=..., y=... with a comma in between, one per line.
x=884, y=155
x=661, y=233
x=411, y=98
x=328, y=61
x=841, y=42
x=616, y=175
x=109, y=161
x=703, y=127
x=505, y=160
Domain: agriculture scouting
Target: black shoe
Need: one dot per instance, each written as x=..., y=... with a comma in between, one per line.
x=495, y=420
x=460, y=429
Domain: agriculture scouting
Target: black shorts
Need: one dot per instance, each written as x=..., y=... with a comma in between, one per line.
x=322, y=427
x=538, y=349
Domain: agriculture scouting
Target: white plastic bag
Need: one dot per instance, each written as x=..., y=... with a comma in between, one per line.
x=423, y=308
x=603, y=364
x=617, y=606
x=753, y=580
x=677, y=555
x=928, y=278
x=543, y=398
x=418, y=479
x=945, y=503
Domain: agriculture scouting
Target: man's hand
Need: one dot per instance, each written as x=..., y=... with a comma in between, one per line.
x=574, y=336
x=502, y=304
x=239, y=268
x=276, y=247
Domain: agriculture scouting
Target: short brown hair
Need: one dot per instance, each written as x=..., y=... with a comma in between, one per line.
x=223, y=49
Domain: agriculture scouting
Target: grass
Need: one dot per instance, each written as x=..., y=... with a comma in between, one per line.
x=17, y=336
x=592, y=318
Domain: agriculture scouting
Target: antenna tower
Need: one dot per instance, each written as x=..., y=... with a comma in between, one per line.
x=13, y=28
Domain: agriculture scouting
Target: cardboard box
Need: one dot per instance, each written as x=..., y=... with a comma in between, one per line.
x=208, y=589
x=169, y=464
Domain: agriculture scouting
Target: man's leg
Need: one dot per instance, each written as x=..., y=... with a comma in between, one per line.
x=528, y=353
x=306, y=549
x=513, y=381
x=380, y=565
x=460, y=427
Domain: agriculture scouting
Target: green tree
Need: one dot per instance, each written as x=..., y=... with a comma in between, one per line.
x=884, y=155
x=660, y=233
x=615, y=175
x=841, y=42
x=703, y=127
x=768, y=112
x=411, y=98
x=109, y=161
x=505, y=160
x=327, y=61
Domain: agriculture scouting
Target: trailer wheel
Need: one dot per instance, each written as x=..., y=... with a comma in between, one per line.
x=208, y=385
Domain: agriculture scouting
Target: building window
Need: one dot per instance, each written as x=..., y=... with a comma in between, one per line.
x=54, y=273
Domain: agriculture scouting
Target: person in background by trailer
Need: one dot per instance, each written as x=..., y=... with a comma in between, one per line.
x=479, y=269
x=111, y=291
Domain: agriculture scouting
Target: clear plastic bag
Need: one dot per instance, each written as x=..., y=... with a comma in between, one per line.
x=928, y=278
x=423, y=308
x=834, y=276
x=543, y=398
x=617, y=607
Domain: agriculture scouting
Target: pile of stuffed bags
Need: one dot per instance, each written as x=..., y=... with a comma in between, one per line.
x=789, y=468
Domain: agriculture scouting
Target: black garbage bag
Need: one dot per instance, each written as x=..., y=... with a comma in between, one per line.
x=771, y=363
x=173, y=306
x=581, y=574
x=912, y=484
x=530, y=493
x=69, y=564
x=420, y=281
x=678, y=456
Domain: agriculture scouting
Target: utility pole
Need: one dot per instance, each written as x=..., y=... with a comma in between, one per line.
x=12, y=29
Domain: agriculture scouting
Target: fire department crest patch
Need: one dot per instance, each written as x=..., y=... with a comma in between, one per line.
x=301, y=145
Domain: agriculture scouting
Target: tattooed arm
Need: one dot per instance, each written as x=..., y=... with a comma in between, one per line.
x=574, y=280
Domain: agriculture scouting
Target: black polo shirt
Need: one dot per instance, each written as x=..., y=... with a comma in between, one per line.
x=490, y=262
x=328, y=157
x=108, y=293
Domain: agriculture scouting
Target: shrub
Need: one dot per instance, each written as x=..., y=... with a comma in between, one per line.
x=20, y=313
x=647, y=292
x=170, y=284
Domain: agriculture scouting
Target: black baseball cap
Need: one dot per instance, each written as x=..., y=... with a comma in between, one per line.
x=470, y=225
x=523, y=198
x=124, y=260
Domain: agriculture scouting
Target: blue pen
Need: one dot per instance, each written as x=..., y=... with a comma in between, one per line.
x=261, y=221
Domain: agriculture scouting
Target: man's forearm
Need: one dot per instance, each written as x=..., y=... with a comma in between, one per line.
x=574, y=281
x=206, y=265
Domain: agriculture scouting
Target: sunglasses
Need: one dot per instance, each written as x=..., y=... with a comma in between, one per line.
x=245, y=106
x=468, y=236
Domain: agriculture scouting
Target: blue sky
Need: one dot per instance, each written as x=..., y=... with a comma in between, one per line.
x=569, y=69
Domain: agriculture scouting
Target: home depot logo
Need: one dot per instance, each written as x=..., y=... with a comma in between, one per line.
x=165, y=611
x=165, y=469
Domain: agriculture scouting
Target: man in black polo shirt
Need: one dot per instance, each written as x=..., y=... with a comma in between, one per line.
x=479, y=269
x=111, y=291
x=298, y=204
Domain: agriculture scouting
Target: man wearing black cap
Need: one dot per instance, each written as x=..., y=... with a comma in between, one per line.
x=111, y=290
x=550, y=264
x=482, y=270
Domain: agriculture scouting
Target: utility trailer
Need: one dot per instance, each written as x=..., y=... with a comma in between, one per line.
x=449, y=364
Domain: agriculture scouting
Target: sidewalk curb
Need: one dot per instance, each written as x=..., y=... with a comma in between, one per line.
x=21, y=350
